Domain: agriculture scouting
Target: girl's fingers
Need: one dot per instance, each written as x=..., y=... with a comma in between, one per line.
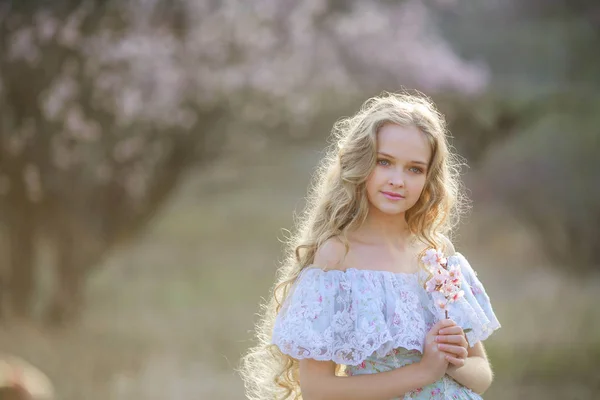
x=459, y=362
x=445, y=324
x=453, y=339
x=458, y=351
x=451, y=330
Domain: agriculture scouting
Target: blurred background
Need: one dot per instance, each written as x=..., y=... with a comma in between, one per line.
x=153, y=152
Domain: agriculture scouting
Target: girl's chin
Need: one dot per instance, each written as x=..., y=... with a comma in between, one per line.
x=386, y=209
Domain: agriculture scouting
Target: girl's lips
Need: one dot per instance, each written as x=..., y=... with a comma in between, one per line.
x=392, y=196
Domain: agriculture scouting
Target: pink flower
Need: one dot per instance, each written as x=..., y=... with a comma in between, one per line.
x=446, y=278
x=431, y=285
x=458, y=295
x=433, y=258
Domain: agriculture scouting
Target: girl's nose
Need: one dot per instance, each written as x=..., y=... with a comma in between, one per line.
x=397, y=180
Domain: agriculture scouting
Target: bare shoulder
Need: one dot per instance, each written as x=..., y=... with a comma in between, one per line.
x=331, y=254
x=448, y=246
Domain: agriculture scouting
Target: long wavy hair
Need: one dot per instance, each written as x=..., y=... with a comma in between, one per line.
x=337, y=203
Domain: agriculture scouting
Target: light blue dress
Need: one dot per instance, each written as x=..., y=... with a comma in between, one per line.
x=376, y=321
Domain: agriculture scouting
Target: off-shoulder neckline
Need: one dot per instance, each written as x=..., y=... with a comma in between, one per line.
x=361, y=271
x=374, y=271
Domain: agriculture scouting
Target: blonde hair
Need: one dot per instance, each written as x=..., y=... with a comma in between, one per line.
x=337, y=203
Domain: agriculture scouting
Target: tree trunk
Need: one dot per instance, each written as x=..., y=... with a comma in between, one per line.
x=67, y=301
x=21, y=257
x=3, y=295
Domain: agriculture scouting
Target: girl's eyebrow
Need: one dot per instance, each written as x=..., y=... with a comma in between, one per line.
x=392, y=157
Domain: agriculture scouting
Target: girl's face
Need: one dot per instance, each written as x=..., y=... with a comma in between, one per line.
x=396, y=183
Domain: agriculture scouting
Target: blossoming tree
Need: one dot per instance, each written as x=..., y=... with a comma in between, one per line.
x=105, y=104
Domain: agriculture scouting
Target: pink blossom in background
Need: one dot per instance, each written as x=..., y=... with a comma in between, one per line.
x=267, y=61
x=290, y=51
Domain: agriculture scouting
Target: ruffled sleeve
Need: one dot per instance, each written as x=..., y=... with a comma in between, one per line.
x=474, y=311
x=346, y=316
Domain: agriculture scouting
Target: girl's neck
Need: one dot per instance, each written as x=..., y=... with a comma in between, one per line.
x=385, y=228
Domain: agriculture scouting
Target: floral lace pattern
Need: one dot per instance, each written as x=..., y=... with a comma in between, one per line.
x=349, y=316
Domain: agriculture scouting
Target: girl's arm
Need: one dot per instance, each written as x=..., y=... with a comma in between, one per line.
x=319, y=382
x=476, y=373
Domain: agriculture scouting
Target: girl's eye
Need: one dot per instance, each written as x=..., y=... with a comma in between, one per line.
x=383, y=162
x=416, y=170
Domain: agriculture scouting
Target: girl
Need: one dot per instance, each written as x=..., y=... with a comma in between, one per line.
x=351, y=317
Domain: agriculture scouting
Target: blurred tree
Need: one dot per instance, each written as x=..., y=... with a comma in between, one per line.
x=548, y=176
x=85, y=159
x=480, y=123
x=106, y=104
x=538, y=119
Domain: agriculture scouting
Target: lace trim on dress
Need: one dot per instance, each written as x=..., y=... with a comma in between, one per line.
x=346, y=316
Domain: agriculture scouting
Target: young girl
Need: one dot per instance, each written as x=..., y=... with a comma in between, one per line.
x=351, y=316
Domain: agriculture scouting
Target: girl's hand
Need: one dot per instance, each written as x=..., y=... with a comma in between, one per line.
x=433, y=361
x=452, y=341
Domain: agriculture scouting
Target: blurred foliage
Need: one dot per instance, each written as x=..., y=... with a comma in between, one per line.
x=535, y=130
x=531, y=47
x=538, y=157
x=530, y=366
x=548, y=176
